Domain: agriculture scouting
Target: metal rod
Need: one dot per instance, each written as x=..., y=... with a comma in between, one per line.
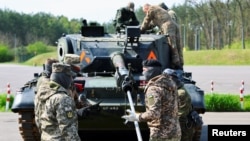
x=137, y=128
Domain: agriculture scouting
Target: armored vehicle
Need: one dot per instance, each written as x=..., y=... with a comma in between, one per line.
x=111, y=77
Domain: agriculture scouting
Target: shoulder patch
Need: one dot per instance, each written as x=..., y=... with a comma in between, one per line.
x=151, y=100
x=69, y=112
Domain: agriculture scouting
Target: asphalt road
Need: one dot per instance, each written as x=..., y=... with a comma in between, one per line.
x=9, y=128
x=227, y=79
x=16, y=76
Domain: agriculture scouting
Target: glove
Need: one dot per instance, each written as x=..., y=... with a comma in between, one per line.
x=131, y=116
x=86, y=111
x=83, y=112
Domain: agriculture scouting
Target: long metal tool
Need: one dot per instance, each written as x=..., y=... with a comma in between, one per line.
x=137, y=128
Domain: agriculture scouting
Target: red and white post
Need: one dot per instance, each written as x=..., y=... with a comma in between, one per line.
x=212, y=86
x=242, y=95
x=8, y=97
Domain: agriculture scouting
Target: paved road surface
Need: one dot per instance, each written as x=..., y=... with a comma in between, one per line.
x=9, y=126
x=16, y=75
x=227, y=79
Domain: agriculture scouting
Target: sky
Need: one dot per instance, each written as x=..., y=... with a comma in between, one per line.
x=92, y=10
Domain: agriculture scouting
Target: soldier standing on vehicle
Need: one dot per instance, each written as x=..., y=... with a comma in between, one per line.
x=185, y=107
x=59, y=119
x=161, y=102
x=157, y=16
x=170, y=11
x=125, y=16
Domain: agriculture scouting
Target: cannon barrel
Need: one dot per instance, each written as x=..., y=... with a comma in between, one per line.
x=121, y=70
x=123, y=76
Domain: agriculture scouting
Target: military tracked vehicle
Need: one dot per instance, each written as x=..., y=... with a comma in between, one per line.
x=111, y=76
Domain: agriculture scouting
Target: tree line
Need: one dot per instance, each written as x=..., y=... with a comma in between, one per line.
x=207, y=24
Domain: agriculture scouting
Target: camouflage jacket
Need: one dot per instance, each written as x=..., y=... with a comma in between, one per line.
x=42, y=89
x=161, y=114
x=184, y=103
x=59, y=119
x=156, y=16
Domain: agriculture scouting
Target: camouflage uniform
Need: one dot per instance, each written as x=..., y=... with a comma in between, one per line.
x=157, y=16
x=42, y=88
x=172, y=14
x=59, y=119
x=71, y=59
x=197, y=133
x=185, y=106
x=161, y=109
x=170, y=11
x=125, y=17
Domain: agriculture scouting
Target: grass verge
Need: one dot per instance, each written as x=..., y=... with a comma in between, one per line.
x=226, y=103
x=3, y=98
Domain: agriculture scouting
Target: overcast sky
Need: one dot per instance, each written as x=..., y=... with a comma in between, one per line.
x=92, y=10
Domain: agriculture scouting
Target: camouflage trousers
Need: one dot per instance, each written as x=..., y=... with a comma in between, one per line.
x=159, y=139
x=186, y=132
x=176, y=56
x=197, y=134
x=172, y=32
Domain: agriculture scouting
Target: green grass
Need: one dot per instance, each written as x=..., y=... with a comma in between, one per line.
x=3, y=98
x=40, y=59
x=226, y=103
x=217, y=57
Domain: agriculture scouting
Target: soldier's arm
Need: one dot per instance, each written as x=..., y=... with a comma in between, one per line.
x=147, y=22
x=184, y=102
x=153, y=101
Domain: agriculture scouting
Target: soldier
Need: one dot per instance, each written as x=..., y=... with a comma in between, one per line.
x=73, y=60
x=59, y=119
x=84, y=108
x=125, y=16
x=170, y=11
x=42, y=87
x=47, y=70
x=185, y=107
x=157, y=16
x=161, y=102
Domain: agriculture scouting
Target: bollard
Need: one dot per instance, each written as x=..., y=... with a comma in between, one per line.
x=242, y=84
x=8, y=97
x=212, y=86
x=242, y=95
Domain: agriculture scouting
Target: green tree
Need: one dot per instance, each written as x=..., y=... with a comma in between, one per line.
x=5, y=54
x=37, y=48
